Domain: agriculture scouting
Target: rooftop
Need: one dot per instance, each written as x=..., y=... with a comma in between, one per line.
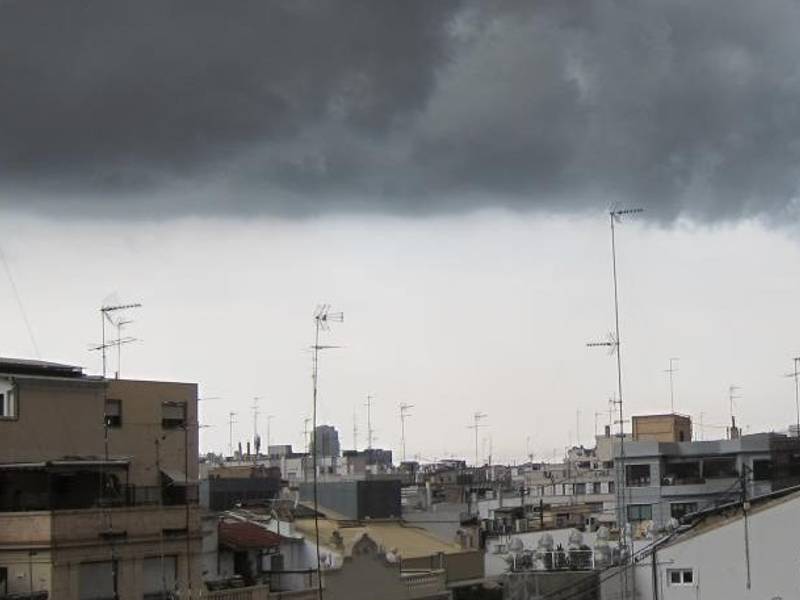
x=246, y=535
x=25, y=366
x=407, y=541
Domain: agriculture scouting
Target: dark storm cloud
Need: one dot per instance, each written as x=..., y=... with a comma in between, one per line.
x=402, y=106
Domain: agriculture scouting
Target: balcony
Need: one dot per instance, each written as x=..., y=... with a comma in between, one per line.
x=43, y=528
x=424, y=584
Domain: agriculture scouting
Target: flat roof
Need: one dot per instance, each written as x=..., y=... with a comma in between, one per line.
x=26, y=366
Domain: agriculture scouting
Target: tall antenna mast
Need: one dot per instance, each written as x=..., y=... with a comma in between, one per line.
x=322, y=319
x=106, y=312
x=256, y=412
x=477, y=417
x=269, y=418
x=231, y=421
x=404, y=413
x=614, y=343
x=370, y=437
x=732, y=389
x=672, y=370
x=306, y=434
x=796, y=375
x=355, y=430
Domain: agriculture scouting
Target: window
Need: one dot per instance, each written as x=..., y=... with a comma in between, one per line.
x=610, y=487
x=640, y=512
x=3, y=581
x=678, y=510
x=720, y=468
x=637, y=475
x=762, y=470
x=113, y=413
x=566, y=489
x=173, y=415
x=580, y=489
x=596, y=487
x=680, y=576
x=8, y=405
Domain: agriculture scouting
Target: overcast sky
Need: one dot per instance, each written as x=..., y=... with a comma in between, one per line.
x=441, y=172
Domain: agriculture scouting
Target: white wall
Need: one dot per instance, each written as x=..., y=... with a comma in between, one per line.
x=717, y=558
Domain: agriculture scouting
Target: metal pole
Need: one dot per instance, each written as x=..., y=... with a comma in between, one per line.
x=623, y=542
x=103, y=339
x=797, y=392
x=476, y=440
x=403, y=431
x=314, y=457
x=369, y=422
x=621, y=486
x=186, y=499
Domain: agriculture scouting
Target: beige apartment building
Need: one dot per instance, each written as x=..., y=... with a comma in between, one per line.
x=97, y=485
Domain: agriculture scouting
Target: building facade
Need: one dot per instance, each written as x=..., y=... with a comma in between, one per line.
x=668, y=480
x=97, y=484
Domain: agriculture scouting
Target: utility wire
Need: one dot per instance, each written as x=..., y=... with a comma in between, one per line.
x=19, y=303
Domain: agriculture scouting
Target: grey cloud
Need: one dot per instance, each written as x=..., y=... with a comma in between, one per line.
x=409, y=107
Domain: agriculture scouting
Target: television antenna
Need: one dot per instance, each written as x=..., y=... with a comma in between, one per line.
x=370, y=431
x=477, y=424
x=795, y=374
x=269, y=418
x=732, y=397
x=672, y=370
x=323, y=317
x=404, y=414
x=231, y=421
x=355, y=430
x=107, y=314
x=256, y=412
x=613, y=342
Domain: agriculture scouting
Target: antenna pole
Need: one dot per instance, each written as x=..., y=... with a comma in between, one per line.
x=369, y=421
x=315, y=450
x=796, y=375
x=404, y=408
x=269, y=430
x=103, y=339
x=119, y=347
x=671, y=371
x=231, y=415
x=355, y=430
x=476, y=418
x=321, y=319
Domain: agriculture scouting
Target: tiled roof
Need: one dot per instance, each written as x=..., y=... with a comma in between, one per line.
x=242, y=535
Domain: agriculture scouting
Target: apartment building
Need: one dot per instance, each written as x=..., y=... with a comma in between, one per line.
x=666, y=480
x=97, y=485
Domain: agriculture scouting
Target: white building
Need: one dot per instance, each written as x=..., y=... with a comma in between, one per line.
x=741, y=551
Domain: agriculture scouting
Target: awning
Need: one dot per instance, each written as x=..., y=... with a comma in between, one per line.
x=244, y=535
x=177, y=477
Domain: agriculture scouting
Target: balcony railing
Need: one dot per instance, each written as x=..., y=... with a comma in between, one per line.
x=121, y=496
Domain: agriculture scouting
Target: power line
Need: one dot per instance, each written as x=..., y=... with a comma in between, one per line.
x=20, y=305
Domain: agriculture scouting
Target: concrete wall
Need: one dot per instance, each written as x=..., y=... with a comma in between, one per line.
x=554, y=585
x=376, y=499
x=58, y=418
x=717, y=557
x=367, y=577
x=442, y=520
x=63, y=540
x=662, y=428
